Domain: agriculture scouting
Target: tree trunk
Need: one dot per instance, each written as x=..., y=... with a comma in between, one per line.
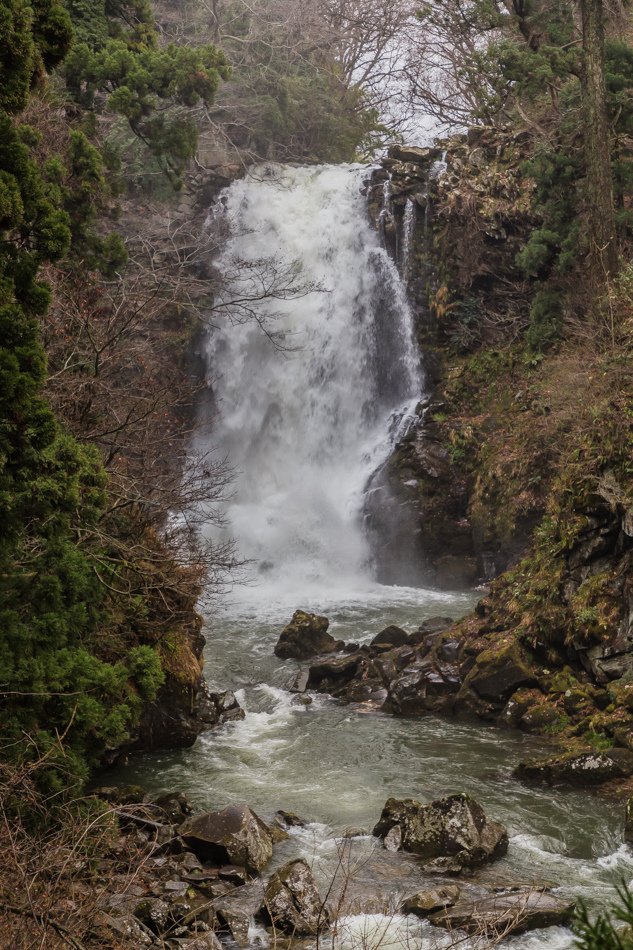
x=602, y=236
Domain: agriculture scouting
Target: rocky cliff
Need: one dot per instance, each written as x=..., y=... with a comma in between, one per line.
x=518, y=464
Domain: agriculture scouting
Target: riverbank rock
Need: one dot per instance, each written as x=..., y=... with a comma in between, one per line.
x=235, y=835
x=306, y=636
x=505, y=912
x=391, y=637
x=425, y=903
x=453, y=833
x=218, y=708
x=499, y=671
x=587, y=768
x=292, y=903
x=236, y=909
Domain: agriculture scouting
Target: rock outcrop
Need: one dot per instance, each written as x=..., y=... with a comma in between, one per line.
x=452, y=834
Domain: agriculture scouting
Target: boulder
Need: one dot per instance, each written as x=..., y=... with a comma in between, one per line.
x=586, y=768
x=425, y=686
x=217, y=708
x=499, y=671
x=306, y=636
x=334, y=671
x=292, y=903
x=430, y=629
x=505, y=912
x=130, y=930
x=235, y=835
x=454, y=828
x=175, y=806
x=414, y=155
x=391, y=636
x=236, y=910
x=429, y=902
x=155, y=914
x=205, y=941
x=237, y=922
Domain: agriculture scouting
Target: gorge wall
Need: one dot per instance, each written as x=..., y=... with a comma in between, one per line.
x=517, y=468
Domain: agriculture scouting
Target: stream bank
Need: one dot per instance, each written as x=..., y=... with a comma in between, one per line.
x=335, y=765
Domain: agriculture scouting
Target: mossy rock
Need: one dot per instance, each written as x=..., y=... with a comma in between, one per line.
x=499, y=670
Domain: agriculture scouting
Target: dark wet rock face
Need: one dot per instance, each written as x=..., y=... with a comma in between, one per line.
x=292, y=903
x=235, y=835
x=306, y=636
x=452, y=832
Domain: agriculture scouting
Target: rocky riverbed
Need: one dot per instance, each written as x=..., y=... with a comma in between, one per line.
x=336, y=764
x=443, y=668
x=201, y=880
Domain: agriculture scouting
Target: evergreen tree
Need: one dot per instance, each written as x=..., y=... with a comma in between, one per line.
x=117, y=65
x=52, y=490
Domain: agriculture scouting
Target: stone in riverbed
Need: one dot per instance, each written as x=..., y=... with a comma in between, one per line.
x=587, y=768
x=235, y=835
x=429, y=902
x=391, y=636
x=454, y=828
x=506, y=912
x=337, y=670
x=292, y=903
x=430, y=629
x=424, y=686
x=236, y=909
x=306, y=636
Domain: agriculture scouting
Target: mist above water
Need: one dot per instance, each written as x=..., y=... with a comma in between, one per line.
x=307, y=416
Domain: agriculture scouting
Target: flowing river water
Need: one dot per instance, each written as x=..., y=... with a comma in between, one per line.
x=305, y=424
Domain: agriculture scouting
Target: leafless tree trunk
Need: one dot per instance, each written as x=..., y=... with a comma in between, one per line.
x=601, y=217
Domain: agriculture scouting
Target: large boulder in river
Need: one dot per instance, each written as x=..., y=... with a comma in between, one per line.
x=235, y=835
x=306, y=636
x=292, y=903
x=454, y=831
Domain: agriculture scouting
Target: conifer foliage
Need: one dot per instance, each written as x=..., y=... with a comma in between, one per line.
x=51, y=488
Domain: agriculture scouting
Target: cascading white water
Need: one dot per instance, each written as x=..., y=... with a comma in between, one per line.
x=306, y=425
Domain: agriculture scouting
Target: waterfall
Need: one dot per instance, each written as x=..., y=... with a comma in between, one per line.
x=312, y=386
